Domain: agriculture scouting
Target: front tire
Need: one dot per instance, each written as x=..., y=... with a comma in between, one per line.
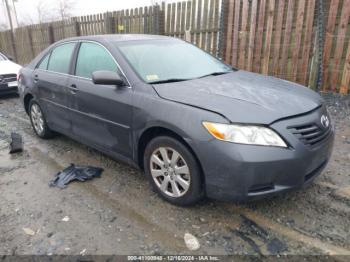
x=38, y=120
x=173, y=171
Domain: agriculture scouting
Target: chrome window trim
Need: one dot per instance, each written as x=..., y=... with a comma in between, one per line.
x=80, y=77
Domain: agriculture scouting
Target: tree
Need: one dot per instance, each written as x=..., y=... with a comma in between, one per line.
x=41, y=10
x=65, y=8
x=3, y=27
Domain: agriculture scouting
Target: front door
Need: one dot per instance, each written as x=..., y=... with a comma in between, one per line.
x=101, y=114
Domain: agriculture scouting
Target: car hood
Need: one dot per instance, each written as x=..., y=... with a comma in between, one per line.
x=8, y=67
x=243, y=97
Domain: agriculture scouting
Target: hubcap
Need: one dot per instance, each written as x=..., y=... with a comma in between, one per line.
x=37, y=118
x=170, y=171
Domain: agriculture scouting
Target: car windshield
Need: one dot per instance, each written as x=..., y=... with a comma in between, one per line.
x=161, y=61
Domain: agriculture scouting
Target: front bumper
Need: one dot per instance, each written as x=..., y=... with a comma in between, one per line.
x=8, y=90
x=248, y=172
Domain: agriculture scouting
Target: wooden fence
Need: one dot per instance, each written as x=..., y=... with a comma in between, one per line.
x=30, y=40
x=271, y=37
x=274, y=37
x=336, y=58
x=280, y=38
x=196, y=21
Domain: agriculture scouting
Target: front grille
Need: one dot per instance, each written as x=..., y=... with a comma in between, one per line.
x=311, y=134
x=8, y=78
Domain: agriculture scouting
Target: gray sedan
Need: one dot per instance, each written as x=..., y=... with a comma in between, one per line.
x=196, y=126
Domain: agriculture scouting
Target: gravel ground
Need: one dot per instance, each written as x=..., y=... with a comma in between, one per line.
x=119, y=214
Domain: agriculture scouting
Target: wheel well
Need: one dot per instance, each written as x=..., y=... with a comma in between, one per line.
x=26, y=100
x=153, y=132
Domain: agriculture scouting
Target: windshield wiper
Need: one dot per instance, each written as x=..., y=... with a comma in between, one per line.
x=170, y=80
x=216, y=74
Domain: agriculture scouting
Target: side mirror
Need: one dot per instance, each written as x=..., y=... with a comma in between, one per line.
x=107, y=78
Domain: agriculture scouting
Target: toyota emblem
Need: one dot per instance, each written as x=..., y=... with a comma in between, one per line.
x=325, y=121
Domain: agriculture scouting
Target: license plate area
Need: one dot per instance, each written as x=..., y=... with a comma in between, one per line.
x=3, y=85
x=12, y=84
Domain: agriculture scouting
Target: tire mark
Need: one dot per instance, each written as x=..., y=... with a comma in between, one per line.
x=290, y=233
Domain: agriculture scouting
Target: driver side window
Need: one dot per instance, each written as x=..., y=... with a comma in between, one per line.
x=93, y=57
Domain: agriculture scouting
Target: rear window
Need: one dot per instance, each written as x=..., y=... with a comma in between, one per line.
x=60, y=58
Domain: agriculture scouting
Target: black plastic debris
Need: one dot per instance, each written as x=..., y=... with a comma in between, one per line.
x=16, y=144
x=73, y=172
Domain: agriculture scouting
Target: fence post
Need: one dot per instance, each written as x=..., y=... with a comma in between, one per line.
x=161, y=19
x=154, y=15
x=156, y=19
x=13, y=45
x=345, y=81
x=50, y=33
x=320, y=44
x=223, y=30
x=76, y=26
x=109, y=22
x=31, y=47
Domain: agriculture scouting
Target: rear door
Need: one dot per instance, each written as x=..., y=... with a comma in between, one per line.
x=51, y=78
x=101, y=114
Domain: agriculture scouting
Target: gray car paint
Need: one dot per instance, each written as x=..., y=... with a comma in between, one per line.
x=113, y=120
x=244, y=97
x=52, y=90
x=103, y=110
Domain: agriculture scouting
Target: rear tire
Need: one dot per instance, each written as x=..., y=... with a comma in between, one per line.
x=37, y=118
x=173, y=171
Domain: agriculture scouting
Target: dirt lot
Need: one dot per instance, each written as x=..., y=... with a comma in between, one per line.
x=119, y=214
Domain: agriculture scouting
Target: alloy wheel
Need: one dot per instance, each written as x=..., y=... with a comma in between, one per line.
x=37, y=118
x=170, y=171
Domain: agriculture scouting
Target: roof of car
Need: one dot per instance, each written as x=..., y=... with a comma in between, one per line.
x=118, y=37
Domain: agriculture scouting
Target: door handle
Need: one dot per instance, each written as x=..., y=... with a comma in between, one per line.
x=73, y=89
x=36, y=78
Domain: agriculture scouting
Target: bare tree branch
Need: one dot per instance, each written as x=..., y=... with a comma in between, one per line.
x=3, y=27
x=65, y=8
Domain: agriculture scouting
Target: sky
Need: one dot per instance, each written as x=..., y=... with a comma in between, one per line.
x=27, y=9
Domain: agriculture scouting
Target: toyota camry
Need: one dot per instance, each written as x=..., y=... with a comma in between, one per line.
x=196, y=126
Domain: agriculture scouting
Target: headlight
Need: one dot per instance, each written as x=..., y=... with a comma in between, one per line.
x=245, y=134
